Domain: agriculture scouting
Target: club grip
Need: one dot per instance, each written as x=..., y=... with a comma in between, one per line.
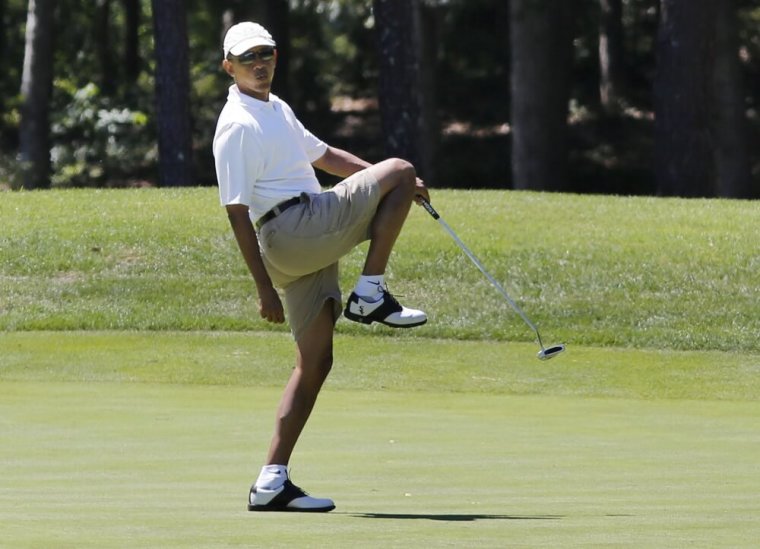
x=429, y=208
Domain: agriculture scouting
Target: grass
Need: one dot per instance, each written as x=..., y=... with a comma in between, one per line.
x=148, y=439
x=146, y=465
x=137, y=387
x=603, y=271
x=380, y=363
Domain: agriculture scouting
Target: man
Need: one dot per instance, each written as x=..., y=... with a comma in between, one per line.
x=291, y=235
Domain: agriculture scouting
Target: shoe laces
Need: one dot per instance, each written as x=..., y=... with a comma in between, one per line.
x=388, y=295
x=289, y=480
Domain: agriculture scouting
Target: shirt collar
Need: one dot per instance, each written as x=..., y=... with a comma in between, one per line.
x=236, y=96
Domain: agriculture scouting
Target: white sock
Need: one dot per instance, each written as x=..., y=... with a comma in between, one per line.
x=272, y=477
x=369, y=286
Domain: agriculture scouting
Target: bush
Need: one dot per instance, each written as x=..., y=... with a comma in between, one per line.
x=95, y=143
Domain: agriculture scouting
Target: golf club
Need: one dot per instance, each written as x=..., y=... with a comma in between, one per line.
x=544, y=353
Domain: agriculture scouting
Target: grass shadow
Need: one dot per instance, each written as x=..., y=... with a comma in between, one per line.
x=452, y=517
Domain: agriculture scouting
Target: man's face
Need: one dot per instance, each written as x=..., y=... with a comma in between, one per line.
x=253, y=71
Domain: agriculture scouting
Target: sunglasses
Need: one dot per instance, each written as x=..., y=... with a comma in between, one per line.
x=250, y=57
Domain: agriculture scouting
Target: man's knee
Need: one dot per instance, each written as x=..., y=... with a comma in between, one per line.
x=405, y=171
x=403, y=167
x=396, y=172
x=317, y=366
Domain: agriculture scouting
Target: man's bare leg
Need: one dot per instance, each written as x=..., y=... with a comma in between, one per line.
x=273, y=490
x=370, y=301
x=397, y=179
x=313, y=362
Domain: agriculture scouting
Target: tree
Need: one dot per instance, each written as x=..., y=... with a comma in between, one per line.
x=3, y=55
x=731, y=155
x=277, y=21
x=2, y=29
x=401, y=96
x=611, y=55
x=541, y=50
x=683, y=94
x=36, y=87
x=173, y=93
x=431, y=127
x=103, y=48
x=131, y=45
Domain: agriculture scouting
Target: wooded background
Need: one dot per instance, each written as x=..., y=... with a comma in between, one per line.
x=605, y=96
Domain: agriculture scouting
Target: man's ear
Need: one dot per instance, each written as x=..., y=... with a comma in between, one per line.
x=228, y=67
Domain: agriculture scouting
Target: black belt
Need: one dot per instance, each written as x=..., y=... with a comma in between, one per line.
x=277, y=210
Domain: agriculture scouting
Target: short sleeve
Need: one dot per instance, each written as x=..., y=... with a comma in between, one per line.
x=238, y=162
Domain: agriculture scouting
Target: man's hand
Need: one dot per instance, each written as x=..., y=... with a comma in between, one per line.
x=421, y=192
x=270, y=306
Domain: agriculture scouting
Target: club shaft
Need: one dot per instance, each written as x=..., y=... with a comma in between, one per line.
x=482, y=269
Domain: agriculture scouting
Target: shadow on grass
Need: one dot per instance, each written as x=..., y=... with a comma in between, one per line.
x=452, y=517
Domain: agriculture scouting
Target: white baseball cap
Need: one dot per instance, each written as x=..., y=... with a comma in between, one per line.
x=242, y=37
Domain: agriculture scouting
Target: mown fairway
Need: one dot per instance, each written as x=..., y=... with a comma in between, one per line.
x=146, y=465
x=137, y=388
x=150, y=439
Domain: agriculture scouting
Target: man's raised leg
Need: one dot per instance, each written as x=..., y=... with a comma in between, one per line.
x=397, y=180
x=370, y=301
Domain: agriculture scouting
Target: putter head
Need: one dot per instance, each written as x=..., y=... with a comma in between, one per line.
x=551, y=352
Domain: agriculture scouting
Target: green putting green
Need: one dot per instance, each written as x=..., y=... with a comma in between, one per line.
x=152, y=464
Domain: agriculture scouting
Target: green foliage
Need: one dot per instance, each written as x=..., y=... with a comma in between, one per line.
x=749, y=25
x=11, y=57
x=96, y=143
x=332, y=53
x=473, y=61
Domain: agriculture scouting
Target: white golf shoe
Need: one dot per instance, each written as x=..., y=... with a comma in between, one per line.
x=287, y=497
x=384, y=309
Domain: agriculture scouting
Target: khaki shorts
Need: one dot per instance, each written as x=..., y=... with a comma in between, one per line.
x=301, y=246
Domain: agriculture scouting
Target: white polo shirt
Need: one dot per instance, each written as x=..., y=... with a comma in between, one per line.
x=263, y=153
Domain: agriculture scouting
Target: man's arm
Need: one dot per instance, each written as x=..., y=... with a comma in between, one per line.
x=270, y=305
x=343, y=164
x=339, y=162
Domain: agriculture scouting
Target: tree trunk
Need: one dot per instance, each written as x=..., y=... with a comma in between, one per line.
x=611, y=55
x=400, y=95
x=3, y=41
x=431, y=126
x=277, y=22
x=683, y=97
x=132, y=44
x=3, y=30
x=172, y=93
x=36, y=88
x=731, y=155
x=541, y=50
x=103, y=48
